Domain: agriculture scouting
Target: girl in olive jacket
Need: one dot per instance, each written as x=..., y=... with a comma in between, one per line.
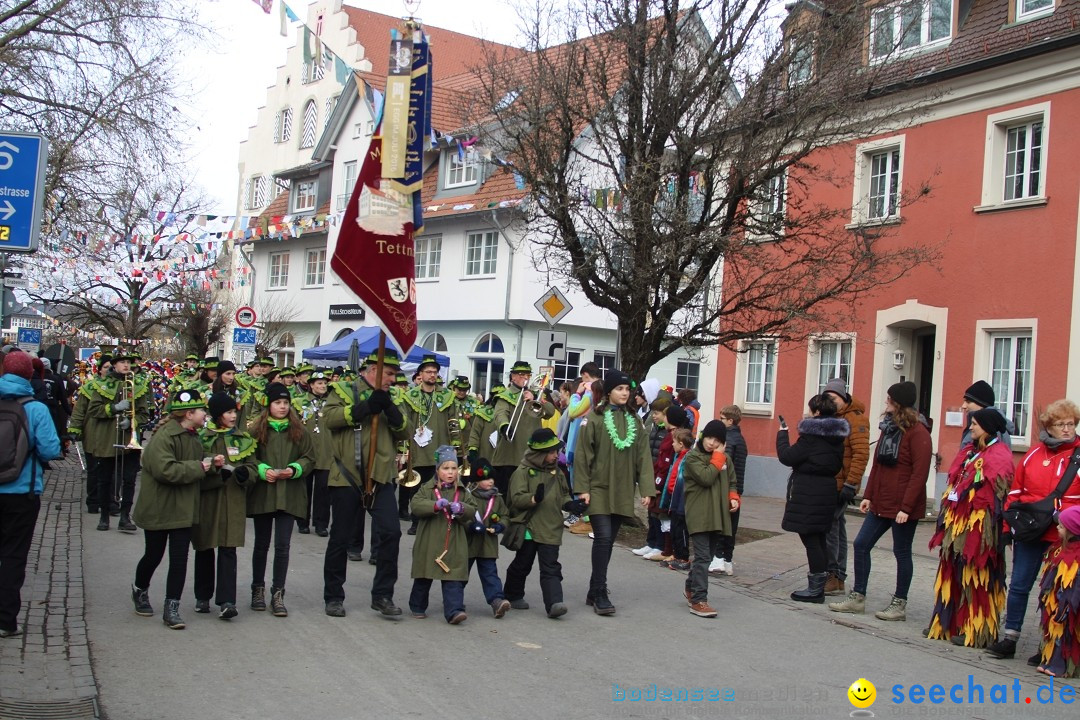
x=173, y=465
x=284, y=454
x=443, y=510
x=222, y=507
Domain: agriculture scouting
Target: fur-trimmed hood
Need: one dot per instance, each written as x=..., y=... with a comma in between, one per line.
x=827, y=427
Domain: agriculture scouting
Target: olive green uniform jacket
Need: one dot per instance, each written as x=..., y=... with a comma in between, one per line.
x=101, y=427
x=545, y=525
x=480, y=429
x=433, y=411
x=486, y=544
x=78, y=410
x=223, y=503
x=431, y=530
x=171, y=475
x=707, y=492
x=312, y=410
x=279, y=453
x=511, y=451
x=607, y=473
x=348, y=401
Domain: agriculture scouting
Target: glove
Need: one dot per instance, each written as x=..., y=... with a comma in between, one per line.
x=241, y=474
x=718, y=459
x=379, y=400
x=476, y=527
x=575, y=507
x=456, y=508
x=360, y=413
x=125, y=423
x=847, y=494
x=474, y=454
x=498, y=527
x=441, y=504
x=121, y=406
x=538, y=496
x=393, y=415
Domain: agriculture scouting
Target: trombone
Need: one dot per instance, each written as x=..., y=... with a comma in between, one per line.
x=133, y=441
x=534, y=406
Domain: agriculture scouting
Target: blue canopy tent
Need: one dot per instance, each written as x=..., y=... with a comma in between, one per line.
x=367, y=342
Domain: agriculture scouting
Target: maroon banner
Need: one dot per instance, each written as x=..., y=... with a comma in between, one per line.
x=374, y=252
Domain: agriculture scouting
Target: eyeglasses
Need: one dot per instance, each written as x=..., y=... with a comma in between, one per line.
x=1063, y=425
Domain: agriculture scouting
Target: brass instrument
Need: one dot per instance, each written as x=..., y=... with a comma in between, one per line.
x=534, y=406
x=408, y=477
x=133, y=441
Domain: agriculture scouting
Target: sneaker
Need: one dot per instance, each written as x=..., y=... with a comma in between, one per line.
x=581, y=528
x=591, y=536
x=680, y=565
x=202, y=606
x=519, y=604
x=228, y=612
x=499, y=607
x=642, y=550
x=142, y=602
x=855, y=603
x=729, y=568
x=834, y=586
x=570, y=520
x=458, y=618
x=703, y=609
x=653, y=554
x=716, y=566
x=335, y=608
x=1003, y=649
x=556, y=610
x=11, y=633
x=896, y=611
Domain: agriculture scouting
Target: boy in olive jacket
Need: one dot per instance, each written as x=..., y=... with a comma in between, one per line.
x=538, y=494
x=490, y=519
x=709, y=486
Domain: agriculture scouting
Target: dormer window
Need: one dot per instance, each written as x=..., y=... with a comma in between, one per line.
x=1028, y=9
x=801, y=62
x=303, y=196
x=906, y=27
x=461, y=169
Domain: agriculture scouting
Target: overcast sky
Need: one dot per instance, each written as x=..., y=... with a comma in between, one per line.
x=229, y=82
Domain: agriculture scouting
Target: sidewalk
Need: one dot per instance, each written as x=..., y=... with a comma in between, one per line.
x=47, y=672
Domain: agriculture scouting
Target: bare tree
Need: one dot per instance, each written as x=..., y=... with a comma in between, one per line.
x=673, y=146
x=204, y=318
x=274, y=314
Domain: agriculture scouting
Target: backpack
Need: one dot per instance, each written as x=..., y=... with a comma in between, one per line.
x=14, y=438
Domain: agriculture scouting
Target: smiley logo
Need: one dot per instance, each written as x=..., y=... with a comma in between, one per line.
x=862, y=693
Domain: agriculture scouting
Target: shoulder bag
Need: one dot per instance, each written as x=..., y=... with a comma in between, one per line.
x=1029, y=521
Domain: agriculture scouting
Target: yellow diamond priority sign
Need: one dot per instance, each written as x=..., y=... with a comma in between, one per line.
x=553, y=306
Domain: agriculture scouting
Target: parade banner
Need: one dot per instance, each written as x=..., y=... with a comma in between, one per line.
x=396, y=108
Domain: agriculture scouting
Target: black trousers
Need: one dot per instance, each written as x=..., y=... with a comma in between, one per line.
x=727, y=542
x=680, y=538
x=605, y=528
x=502, y=475
x=120, y=468
x=178, y=541
x=318, y=509
x=550, y=572
x=817, y=554
x=91, y=482
x=18, y=516
x=279, y=523
x=346, y=503
x=226, y=575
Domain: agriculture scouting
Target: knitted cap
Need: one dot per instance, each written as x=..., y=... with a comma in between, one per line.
x=277, y=391
x=715, y=429
x=990, y=420
x=219, y=404
x=226, y=366
x=981, y=394
x=19, y=363
x=903, y=394
x=445, y=454
x=1070, y=518
x=676, y=417
x=615, y=378
x=837, y=387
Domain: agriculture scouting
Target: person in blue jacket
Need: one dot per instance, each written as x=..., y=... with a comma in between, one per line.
x=20, y=499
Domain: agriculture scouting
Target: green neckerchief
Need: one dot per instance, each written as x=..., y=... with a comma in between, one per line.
x=278, y=425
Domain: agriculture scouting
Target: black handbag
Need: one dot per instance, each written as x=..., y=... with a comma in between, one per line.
x=1029, y=521
x=513, y=538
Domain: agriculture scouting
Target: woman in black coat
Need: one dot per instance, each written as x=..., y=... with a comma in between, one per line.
x=815, y=459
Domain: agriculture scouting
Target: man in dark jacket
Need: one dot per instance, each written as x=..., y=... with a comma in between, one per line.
x=735, y=449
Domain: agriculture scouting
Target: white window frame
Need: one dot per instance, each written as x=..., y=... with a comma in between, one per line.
x=864, y=160
x=1023, y=15
x=770, y=209
x=428, y=253
x=294, y=200
x=258, y=191
x=277, y=278
x=315, y=277
x=994, y=156
x=813, y=363
x=482, y=266
x=893, y=14
x=435, y=342
x=754, y=404
x=688, y=363
x=487, y=359
x=461, y=172
x=986, y=331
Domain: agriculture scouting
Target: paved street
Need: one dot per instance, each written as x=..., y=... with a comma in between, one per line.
x=774, y=657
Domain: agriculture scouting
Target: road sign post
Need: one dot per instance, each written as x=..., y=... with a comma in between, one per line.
x=29, y=339
x=551, y=345
x=553, y=306
x=243, y=340
x=23, y=159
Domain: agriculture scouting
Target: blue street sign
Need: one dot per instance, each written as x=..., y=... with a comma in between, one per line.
x=243, y=336
x=23, y=160
x=29, y=339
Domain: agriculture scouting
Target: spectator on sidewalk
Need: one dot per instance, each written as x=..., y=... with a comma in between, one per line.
x=978, y=397
x=814, y=459
x=894, y=500
x=20, y=499
x=848, y=480
x=731, y=416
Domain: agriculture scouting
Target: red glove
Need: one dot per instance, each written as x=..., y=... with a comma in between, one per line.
x=718, y=460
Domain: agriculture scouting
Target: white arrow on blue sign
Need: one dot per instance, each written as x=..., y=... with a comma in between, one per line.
x=23, y=159
x=243, y=336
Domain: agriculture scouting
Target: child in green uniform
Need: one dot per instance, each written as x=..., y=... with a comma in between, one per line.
x=222, y=506
x=490, y=520
x=285, y=453
x=538, y=493
x=173, y=465
x=443, y=510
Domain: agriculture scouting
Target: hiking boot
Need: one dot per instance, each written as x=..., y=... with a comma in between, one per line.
x=499, y=607
x=834, y=586
x=335, y=608
x=202, y=606
x=556, y=610
x=277, y=602
x=125, y=525
x=258, y=597
x=703, y=609
x=386, y=607
x=897, y=610
x=519, y=604
x=103, y=522
x=815, y=590
x=601, y=604
x=1004, y=649
x=171, y=615
x=855, y=603
x=228, y=612
x=142, y=602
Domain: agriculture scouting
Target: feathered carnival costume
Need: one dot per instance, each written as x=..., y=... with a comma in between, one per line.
x=1059, y=603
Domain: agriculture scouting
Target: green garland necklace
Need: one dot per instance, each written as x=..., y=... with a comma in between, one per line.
x=631, y=431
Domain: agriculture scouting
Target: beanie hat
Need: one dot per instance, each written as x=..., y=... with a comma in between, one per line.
x=544, y=439
x=981, y=394
x=990, y=420
x=676, y=417
x=220, y=403
x=715, y=429
x=837, y=386
x=445, y=454
x=1070, y=518
x=277, y=391
x=226, y=366
x=18, y=363
x=39, y=367
x=903, y=394
x=615, y=378
x=482, y=470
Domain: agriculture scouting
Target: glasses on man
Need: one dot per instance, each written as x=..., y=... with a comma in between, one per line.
x=1063, y=425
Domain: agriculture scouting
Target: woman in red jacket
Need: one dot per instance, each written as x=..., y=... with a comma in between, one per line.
x=1037, y=475
x=895, y=499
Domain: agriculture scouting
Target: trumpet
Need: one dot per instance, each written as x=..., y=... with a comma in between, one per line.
x=534, y=406
x=133, y=442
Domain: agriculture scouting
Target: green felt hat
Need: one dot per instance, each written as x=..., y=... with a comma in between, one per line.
x=521, y=367
x=390, y=359
x=186, y=399
x=544, y=439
